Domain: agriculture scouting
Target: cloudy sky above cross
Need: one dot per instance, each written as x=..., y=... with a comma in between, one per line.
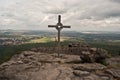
x=82, y=15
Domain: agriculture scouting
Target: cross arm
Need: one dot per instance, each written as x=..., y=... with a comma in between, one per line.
x=66, y=26
x=52, y=26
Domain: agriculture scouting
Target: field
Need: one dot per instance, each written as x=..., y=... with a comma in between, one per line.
x=40, y=40
x=45, y=40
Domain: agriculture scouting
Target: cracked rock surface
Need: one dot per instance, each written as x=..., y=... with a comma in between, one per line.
x=42, y=66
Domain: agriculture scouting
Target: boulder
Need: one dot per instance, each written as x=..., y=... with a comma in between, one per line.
x=94, y=55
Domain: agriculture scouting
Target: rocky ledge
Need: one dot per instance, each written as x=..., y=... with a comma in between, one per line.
x=42, y=66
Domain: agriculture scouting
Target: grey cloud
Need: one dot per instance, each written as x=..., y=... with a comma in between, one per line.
x=118, y=1
x=7, y=14
x=100, y=13
x=113, y=14
x=55, y=11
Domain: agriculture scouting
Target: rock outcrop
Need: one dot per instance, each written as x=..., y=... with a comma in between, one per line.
x=42, y=66
x=86, y=53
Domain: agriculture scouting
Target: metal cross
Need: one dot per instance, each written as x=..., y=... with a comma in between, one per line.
x=59, y=26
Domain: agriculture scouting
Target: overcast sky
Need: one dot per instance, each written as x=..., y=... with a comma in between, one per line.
x=82, y=15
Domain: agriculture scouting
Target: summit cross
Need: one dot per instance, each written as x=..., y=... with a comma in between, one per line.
x=59, y=26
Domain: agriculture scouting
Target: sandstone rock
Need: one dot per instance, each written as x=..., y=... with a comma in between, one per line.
x=81, y=73
x=42, y=66
x=28, y=53
x=71, y=59
x=89, y=77
x=94, y=55
x=105, y=77
x=65, y=73
x=86, y=56
x=113, y=61
x=92, y=77
x=114, y=72
x=5, y=64
x=89, y=66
